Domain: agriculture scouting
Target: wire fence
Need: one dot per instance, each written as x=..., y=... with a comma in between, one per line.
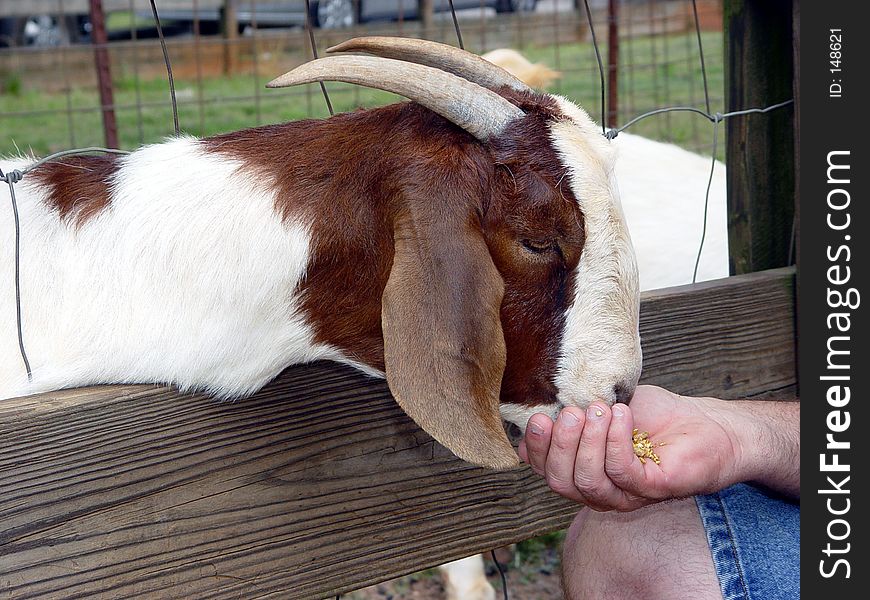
x=57, y=96
x=51, y=95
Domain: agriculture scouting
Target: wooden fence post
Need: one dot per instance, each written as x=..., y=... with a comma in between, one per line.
x=426, y=12
x=612, y=63
x=104, y=73
x=230, y=29
x=760, y=155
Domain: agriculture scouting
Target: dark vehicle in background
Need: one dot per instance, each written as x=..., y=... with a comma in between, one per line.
x=37, y=23
x=332, y=14
x=44, y=30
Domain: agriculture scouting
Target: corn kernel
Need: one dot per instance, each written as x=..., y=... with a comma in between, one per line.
x=643, y=447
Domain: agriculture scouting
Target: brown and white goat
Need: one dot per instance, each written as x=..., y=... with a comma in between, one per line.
x=468, y=245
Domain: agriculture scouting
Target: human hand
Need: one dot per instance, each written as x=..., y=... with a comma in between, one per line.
x=588, y=456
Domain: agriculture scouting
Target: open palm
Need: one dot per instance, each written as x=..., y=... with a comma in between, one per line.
x=588, y=456
x=696, y=449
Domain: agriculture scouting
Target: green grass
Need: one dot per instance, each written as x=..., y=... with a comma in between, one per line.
x=124, y=20
x=531, y=550
x=36, y=120
x=229, y=104
x=654, y=73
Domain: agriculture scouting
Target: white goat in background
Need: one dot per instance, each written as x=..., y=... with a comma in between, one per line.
x=663, y=193
x=536, y=75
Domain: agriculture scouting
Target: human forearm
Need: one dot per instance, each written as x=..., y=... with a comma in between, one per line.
x=767, y=439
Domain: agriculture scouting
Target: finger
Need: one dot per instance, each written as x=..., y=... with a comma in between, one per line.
x=621, y=465
x=589, y=475
x=537, y=440
x=563, y=450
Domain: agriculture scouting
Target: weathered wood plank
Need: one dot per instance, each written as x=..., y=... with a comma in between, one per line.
x=319, y=483
x=700, y=339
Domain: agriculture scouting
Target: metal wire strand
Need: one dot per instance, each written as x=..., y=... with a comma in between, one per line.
x=747, y=111
x=706, y=201
x=310, y=29
x=168, y=67
x=498, y=565
x=701, y=54
x=11, y=179
x=62, y=153
x=600, y=67
x=456, y=25
x=713, y=118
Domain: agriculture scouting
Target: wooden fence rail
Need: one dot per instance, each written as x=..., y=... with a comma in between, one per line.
x=319, y=483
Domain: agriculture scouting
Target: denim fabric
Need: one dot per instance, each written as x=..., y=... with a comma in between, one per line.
x=754, y=538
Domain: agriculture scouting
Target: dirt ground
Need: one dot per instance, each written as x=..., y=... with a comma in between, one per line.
x=531, y=569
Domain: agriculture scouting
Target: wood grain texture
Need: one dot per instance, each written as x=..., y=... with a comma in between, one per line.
x=319, y=483
x=759, y=147
x=730, y=338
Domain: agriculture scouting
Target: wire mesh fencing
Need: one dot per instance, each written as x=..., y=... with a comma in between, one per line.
x=51, y=93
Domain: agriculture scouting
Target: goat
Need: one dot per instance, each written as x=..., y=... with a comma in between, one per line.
x=469, y=246
x=536, y=75
x=660, y=188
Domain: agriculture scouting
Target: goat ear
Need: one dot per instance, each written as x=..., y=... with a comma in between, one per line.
x=444, y=348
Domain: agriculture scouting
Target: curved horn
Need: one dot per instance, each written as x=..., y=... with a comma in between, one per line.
x=432, y=54
x=477, y=110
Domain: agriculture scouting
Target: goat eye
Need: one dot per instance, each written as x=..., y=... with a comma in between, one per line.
x=538, y=246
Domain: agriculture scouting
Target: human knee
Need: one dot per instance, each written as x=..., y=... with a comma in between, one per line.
x=648, y=552
x=588, y=539
x=590, y=557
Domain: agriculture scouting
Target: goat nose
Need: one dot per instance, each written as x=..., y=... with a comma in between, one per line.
x=623, y=392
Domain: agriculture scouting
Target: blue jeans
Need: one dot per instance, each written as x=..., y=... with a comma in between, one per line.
x=754, y=538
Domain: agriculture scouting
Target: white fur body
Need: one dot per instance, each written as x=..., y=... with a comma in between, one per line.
x=662, y=188
x=465, y=579
x=190, y=258
x=519, y=414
